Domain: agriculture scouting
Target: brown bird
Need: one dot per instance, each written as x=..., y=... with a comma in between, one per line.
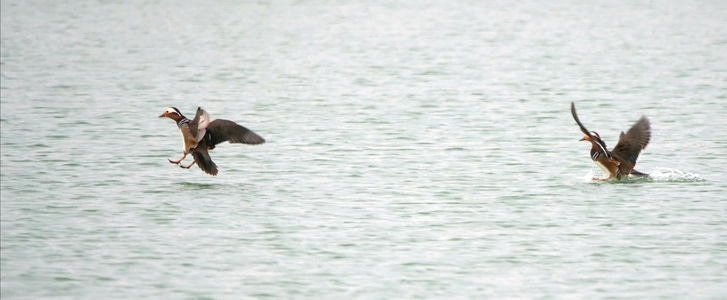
x=622, y=159
x=200, y=135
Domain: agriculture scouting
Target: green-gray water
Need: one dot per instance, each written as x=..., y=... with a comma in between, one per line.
x=414, y=150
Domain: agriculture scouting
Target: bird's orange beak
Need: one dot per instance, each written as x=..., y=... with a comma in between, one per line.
x=585, y=138
x=164, y=114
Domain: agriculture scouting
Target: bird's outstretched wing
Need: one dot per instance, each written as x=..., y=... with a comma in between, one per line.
x=631, y=143
x=585, y=131
x=225, y=130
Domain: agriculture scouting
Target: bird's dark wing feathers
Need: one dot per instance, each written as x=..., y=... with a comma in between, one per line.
x=225, y=130
x=631, y=143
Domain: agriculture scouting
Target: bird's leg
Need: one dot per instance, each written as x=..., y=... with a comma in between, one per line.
x=178, y=160
x=190, y=165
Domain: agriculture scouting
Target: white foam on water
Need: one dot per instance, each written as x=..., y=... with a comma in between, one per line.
x=669, y=174
x=589, y=176
x=658, y=174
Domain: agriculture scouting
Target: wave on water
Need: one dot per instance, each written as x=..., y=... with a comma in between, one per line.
x=658, y=174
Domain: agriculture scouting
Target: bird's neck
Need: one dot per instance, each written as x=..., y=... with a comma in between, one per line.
x=183, y=121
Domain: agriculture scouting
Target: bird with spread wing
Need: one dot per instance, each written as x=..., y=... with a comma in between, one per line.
x=621, y=160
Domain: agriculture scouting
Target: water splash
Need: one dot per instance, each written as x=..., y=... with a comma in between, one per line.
x=668, y=174
x=658, y=174
x=589, y=176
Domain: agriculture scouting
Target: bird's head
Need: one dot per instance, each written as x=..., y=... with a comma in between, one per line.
x=588, y=138
x=172, y=113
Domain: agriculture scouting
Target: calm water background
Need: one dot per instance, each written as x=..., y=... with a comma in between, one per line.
x=418, y=149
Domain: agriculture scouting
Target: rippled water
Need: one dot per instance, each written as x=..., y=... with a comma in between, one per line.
x=414, y=150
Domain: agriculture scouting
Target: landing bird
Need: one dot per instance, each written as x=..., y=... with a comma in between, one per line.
x=200, y=135
x=622, y=159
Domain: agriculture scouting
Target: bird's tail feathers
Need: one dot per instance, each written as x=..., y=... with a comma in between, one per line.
x=637, y=173
x=204, y=161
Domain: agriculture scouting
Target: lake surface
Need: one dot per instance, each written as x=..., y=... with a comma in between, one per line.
x=416, y=149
